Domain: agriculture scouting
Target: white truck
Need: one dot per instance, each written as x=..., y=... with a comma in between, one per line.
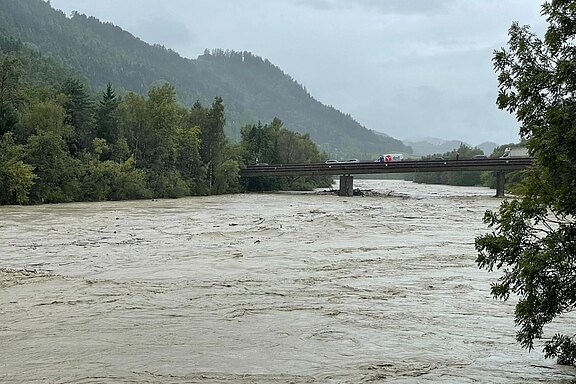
x=515, y=152
x=388, y=157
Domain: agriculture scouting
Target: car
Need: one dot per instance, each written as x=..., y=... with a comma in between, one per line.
x=331, y=161
x=352, y=161
x=476, y=157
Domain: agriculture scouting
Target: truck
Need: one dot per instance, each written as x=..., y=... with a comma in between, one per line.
x=515, y=152
x=388, y=157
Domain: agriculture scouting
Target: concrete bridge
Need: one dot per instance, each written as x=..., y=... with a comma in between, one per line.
x=346, y=170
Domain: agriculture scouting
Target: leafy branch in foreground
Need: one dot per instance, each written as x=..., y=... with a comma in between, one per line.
x=533, y=238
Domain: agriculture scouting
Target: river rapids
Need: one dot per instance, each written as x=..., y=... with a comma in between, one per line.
x=260, y=288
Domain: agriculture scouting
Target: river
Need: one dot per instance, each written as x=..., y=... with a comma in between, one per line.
x=259, y=288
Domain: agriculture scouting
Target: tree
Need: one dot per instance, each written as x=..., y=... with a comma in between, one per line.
x=533, y=241
x=57, y=171
x=46, y=150
x=16, y=177
x=272, y=143
x=79, y=111
x=107, y=117
x=10, y=89
x=261, y=142
x=213, y=140
x=188, y=161
x=132, y=117
x=44, y=116
x=260, y=145
x=227, y=179
x=163, y=118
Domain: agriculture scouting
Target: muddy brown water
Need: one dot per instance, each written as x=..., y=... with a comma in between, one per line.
x=259, y=288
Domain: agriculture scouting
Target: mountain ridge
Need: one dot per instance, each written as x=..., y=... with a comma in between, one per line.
x=253, y=89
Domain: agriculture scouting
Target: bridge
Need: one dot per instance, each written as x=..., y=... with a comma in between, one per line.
x=348, y=169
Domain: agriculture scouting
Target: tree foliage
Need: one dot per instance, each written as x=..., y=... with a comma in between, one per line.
x=533, y=238
x=214, y=140
x=16, y=177
x=10, y=77
x=79, y=113
x=107, y=126
x=468, y=178
x=67, y=142
x=272, y=143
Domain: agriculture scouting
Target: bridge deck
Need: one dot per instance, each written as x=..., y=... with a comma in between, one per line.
x=370, y=167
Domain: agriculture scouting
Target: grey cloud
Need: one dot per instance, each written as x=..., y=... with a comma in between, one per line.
x=408, y=6
x=385, y=7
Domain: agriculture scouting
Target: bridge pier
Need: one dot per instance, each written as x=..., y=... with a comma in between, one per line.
x=346, y=186
x=500, y=180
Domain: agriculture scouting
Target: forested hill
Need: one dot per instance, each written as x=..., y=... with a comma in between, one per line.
x=252, y=88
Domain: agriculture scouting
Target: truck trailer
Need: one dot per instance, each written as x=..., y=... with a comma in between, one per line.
x=515, y=152
x=388, y=157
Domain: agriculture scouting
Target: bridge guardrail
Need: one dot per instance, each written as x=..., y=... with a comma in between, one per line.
x=369, y=167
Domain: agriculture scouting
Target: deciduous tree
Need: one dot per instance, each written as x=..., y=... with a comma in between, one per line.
x=132, y=116
x=533, y=242
x=16, y=177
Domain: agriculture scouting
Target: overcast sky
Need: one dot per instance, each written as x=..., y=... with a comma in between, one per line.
x=408, y=68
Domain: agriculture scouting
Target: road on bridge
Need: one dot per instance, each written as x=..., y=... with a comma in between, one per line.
x=371, y=167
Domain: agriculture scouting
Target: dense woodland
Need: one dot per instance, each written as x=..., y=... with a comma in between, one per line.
x=252, y=88
x=60, y=141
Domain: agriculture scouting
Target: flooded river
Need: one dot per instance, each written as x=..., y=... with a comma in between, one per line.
x=259, y=288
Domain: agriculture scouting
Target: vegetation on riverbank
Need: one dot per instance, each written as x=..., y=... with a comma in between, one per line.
x=468, y=178
x=61, y=143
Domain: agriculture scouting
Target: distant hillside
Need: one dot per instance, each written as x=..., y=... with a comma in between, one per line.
x=425, y=147
x=432, y=145
x=252, y=88
x=487, y=147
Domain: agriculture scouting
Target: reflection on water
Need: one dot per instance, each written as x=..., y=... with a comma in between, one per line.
x=259, y=288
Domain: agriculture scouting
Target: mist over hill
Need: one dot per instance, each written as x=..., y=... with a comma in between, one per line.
x=431, y=145
x=253, y=89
